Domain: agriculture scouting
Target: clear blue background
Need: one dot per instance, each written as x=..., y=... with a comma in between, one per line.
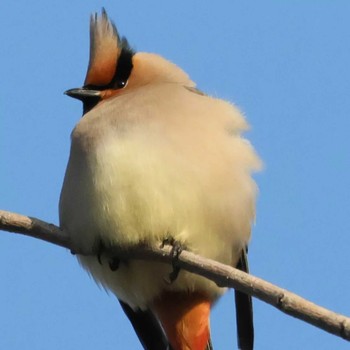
x=284, y=63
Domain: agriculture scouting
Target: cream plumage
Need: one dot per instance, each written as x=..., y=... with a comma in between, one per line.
x=150, y=159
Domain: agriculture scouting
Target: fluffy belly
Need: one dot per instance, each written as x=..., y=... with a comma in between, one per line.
x=137, y=191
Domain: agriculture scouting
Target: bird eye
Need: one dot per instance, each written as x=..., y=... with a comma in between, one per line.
x=121, y=84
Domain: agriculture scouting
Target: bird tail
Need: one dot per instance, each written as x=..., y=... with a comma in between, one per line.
x=185, y=319
x=209, y=345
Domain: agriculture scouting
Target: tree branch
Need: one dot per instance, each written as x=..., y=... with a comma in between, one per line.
x=223, y=275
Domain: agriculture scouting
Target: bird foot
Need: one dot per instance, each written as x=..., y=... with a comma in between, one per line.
x=176, y=250
x=112, y=262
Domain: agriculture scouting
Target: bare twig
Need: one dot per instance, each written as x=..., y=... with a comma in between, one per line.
x=223, y=275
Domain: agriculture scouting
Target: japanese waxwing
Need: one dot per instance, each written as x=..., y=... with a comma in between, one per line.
x=152, y=158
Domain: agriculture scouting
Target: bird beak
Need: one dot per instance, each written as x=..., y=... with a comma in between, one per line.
x=83, y=93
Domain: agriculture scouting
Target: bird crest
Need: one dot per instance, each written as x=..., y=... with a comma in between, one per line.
x=105, y=49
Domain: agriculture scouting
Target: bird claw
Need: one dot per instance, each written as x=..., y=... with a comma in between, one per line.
x=176, y=250
x=114, y=264
x=100, y=249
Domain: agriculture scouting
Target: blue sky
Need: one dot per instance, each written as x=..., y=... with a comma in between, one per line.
x=284, y=63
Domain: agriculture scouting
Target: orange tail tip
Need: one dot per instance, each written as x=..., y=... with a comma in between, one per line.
x=185, y=319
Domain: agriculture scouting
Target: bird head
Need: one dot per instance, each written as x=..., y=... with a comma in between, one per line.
x=114, y=68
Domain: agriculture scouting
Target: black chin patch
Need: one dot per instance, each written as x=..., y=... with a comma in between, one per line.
x=89, y=103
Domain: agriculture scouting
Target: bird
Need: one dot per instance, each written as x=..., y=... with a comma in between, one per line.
x=153, y=159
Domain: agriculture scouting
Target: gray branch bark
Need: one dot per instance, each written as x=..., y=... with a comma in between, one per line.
x=223, y=275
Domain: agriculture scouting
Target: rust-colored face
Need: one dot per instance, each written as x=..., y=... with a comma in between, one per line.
x=110, y=64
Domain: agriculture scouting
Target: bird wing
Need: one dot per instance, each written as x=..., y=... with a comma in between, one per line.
x=147, y=328
x=244, y=310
